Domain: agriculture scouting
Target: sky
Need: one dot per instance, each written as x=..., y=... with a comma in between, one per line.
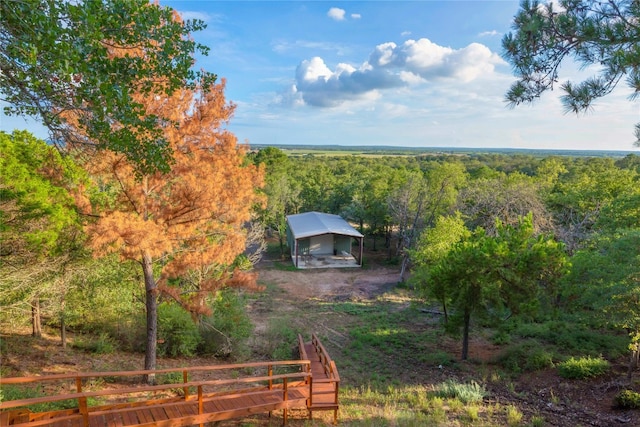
x=387, y=73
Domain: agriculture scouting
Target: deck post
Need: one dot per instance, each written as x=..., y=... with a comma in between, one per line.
x=310, y=400
x=82, y=403
x=285, y=394
x=185, y=379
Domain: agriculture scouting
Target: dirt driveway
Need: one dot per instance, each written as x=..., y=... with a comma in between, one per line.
x=342, y=284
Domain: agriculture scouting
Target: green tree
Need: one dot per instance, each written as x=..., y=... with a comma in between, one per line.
x=40, y=227
x=281, y=191
x=507, y=274
x=59, y=58
x=433, y=245
x=581, y=194
x=592, y=32
x=605, y=280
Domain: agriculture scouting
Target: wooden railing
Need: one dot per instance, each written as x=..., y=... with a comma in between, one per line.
x=328, y=364
x=14, y=412
x=326, y=380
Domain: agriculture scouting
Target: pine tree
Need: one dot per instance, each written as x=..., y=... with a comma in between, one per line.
x=185, y=227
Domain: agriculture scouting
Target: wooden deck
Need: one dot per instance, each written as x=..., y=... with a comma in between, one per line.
x=311, y=383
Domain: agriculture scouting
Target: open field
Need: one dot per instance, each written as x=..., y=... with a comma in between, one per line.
x=380, y=151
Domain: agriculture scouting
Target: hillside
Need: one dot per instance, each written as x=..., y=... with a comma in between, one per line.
x=389, y=348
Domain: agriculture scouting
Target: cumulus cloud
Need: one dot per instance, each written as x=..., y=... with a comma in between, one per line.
x=390, y=66
x=336, y=13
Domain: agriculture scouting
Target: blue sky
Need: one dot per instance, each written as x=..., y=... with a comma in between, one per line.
x=408, y=73
x=403, y=73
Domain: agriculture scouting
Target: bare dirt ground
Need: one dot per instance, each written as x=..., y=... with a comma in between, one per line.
x=351, y=284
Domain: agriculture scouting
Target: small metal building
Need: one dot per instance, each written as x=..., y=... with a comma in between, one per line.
x=320, y=240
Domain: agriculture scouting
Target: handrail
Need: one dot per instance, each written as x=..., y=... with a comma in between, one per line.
x=199, y=384
x=144, y=395
x=23, y=380
x=303, y=351
x=329, y=366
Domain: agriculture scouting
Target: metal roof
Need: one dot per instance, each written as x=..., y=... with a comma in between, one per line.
x=316, y=223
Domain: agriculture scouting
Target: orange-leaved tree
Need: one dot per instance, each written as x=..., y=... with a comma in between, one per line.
x=187, y=226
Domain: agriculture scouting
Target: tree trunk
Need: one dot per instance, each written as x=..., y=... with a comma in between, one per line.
x=633, y=362
x=152, y=318
x=465, y=334
x=36, y=324
x=63, y=331
x=63, y=325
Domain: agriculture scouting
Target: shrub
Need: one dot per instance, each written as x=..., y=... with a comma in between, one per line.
x=514, y=416
x=281, y=339
x=466, y=393
x=103, y=344
x=527, y=356
x=538, y=359
x=227, y=330
x=177, y=331
x=628, y=399
x=583, y=367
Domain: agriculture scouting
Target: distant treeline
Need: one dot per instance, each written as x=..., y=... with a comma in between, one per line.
x=388, y=150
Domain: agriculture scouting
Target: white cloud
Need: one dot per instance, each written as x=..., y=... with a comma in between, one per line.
x=491, y=33
x=391, y=66
x=356, y=16
x=282, y=46
x=336, y=13
x=405, y=33
x=203, y=16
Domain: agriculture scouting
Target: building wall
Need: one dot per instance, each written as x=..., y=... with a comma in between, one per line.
x=321, y=245
x=342, y=243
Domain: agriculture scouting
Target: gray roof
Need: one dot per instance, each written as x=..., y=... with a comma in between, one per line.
x=316, y=223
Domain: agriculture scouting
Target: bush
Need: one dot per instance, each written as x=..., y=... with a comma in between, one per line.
x=538, y=359
x=583, y=367
x=628, y=399
x=103, y=344
x=466, y=393
x=527, y=356
x=575, y=338
x=177, y=332
x=280, y=340
x=226, y=331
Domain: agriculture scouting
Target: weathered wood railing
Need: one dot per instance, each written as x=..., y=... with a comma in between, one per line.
x=140, y=409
